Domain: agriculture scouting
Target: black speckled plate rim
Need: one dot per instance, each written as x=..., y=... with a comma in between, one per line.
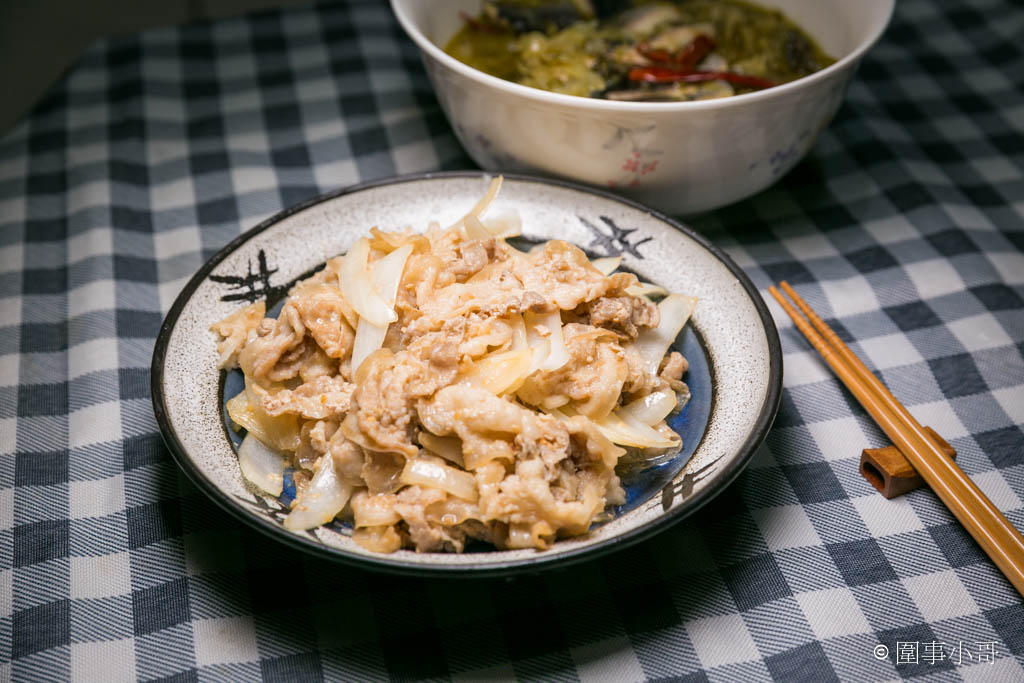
x=534, y=564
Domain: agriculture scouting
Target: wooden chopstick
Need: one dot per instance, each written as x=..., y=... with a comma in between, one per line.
x=982, y=519
x=854, y=361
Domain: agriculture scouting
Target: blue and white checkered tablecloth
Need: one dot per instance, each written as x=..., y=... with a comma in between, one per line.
x=904, y=227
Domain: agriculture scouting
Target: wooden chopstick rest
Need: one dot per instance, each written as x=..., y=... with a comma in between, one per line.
x=891, y=473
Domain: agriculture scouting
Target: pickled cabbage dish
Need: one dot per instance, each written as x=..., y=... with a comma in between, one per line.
x=642, y=51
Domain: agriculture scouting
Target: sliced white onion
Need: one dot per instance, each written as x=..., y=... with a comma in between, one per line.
x=322, y=501
x=254, y=394
x=358, y=289
x=387, y=273
x=369, y=338
x=280, y=431
x=653, y=343
x=432, y=472
x=650, y=409
x=563, y=416
x=607, y=264
x=540, y=345
x=620, y=432
x=238, y=408
x=385, y=277
x=448, y=447
x=501, y=372
x=557, y=355
x=508, y=223
x=631, y=433
x=519, y=340
x=683, y=397
x=481, y=206
x=475, y=229
x=646, y=289
x=261, y=465
x=554, y=401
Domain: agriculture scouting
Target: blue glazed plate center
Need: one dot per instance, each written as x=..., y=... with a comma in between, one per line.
x=690, y=424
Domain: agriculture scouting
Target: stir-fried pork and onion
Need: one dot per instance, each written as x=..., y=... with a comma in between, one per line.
x=440, y=387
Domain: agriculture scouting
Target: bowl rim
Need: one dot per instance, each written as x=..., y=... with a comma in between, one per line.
x=428, y=47
x=724, y=478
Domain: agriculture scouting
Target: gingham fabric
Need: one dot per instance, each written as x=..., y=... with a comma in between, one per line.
x=904, y=227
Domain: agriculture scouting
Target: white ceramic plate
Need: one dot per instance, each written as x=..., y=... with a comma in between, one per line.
x=735, y=371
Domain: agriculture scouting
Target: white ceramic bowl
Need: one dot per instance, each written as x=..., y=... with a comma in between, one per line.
x=680, y=157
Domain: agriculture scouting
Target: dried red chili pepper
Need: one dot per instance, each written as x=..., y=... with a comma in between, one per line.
x=660, y=56
x=695, y=51
x=660, y=74
x=685, y=58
